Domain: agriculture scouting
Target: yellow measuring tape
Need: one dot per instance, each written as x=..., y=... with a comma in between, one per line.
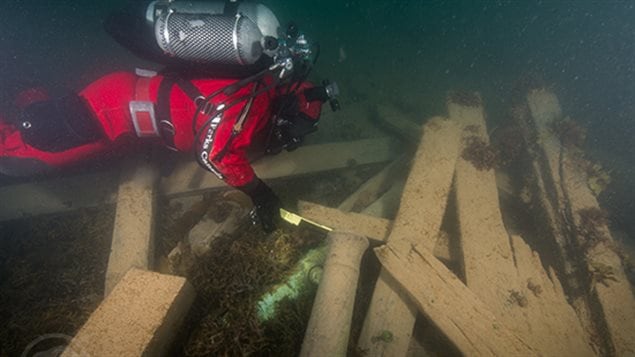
x=296, y=219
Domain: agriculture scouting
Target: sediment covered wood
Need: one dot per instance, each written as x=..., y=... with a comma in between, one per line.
x=391, y=119
x=594, y=275
x=373, y=188
x=46, y=196
x=133, y=233
x=190, y=177
x=329, y=327
x=487, y=257
x=373, y=228
x=498, y=274
x=376, y=229
x=418, y=220
x=608, y=284
x=91, y=190
x=455, y=309
x=139, y=318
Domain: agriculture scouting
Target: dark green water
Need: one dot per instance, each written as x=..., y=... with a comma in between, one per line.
x=405, y=53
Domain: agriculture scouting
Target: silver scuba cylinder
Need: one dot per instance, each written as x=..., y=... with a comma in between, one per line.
x=213, y=32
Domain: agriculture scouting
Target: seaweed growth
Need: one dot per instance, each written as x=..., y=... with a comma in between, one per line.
x=465, y=98
x=481, y=154
x=509, y=143
x=51, y=271
x=592, y=224
x=570, y=132
x=229, y=282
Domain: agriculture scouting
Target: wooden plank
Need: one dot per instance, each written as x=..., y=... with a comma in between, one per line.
x=373, y=228
x=454, y=308
x=189, y=177
x=388, y=205
x=47, y=196
x=141, y=317
x=487, y=256
x=546, y=320
x=543, y=109
x=375, y=186
x=392, y=119
x=329, y=327
x=493, y=270
x=92, y=190
x=133, y=233
x=614, y=295
x=418, y=221
x=554, y=218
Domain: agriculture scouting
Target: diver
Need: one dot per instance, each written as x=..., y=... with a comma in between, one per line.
x=231, y=81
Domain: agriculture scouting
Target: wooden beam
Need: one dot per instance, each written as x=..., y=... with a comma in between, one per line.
x=96, y=189
x=373, y=188
x=418, y=221
x=609, y=284
x=133, y=233
x=455, y=309
x=141, y=317
x=565, y=194
x=47, y=196
x=189, y=177
x=488, y=262
x=373, y=228
x=540, y=311
x=392, y=119
x=492, y=267
x=329, y=327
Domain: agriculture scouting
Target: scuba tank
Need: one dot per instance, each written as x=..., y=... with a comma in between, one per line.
x=229, y=36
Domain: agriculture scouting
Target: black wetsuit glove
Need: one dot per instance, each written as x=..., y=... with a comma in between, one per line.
x=266, y=204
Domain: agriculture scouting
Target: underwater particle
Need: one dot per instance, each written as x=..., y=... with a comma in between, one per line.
x=342, y=54
x=481, y=154
x=384, y=336
x=533, y=287
x=465, y=98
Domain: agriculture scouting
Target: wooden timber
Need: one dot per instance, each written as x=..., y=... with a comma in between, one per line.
x=488, y=262
x=418, y=221
x=370, y=191
x=47, y=196
x=133, y=233
x=329, y=327
x=190, y=177
x=392, y=119
x=376, y=229
x=608, y=284
x=436, y=291
x=96, y=189
x=141, y=317
x=607, y=309
x=492, y=267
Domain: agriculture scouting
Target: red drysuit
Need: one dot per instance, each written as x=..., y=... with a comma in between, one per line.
x=107, y=103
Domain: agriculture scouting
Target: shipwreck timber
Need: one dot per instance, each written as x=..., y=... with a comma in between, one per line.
x=501, y=295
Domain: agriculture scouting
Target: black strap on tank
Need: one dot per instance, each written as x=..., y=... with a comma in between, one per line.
x=231, y=8
x=163, y=104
